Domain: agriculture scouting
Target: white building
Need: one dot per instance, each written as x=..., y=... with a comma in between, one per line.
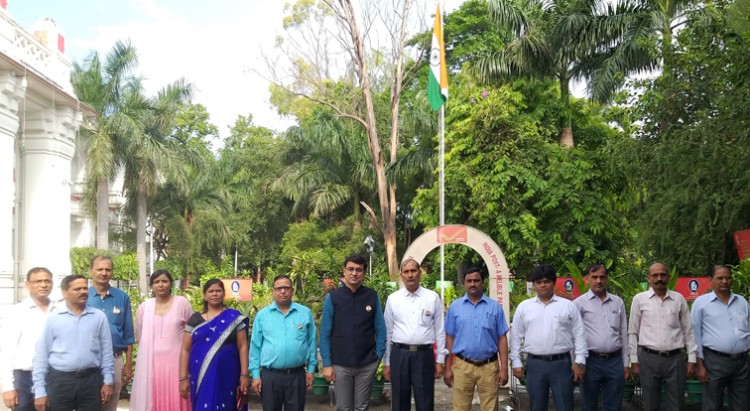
x=41, y=168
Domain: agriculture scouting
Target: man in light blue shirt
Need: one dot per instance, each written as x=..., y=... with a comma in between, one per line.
x=73, y=364
x=721, y=323
x=606, y=325
x=475, y=332
x=282, y=350
x=550, y=329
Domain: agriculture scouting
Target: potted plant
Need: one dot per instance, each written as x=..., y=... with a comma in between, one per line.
x=378, y=384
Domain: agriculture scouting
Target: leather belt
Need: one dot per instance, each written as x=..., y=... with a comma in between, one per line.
x=285, y=370
x=413, y=347
x=77, y=374
x=478, y=363
x=736, y=356
x=605, y=355
x=550, y=357
x=662, y=353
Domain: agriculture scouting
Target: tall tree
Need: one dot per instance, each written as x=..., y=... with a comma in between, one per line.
x=567, y=40
x=102, y=86
x=370, y=70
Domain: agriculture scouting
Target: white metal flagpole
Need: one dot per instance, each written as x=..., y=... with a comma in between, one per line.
x=442, y=199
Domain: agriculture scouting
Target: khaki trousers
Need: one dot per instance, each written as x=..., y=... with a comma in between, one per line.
x=466, y=376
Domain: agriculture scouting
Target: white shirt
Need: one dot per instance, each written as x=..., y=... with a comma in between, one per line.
x=547, y=329
x=20, y=332
x=415, y=319
x=662, y=325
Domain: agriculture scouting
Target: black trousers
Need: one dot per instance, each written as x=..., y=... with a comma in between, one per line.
x=81, y=391
x=23, y=383
x=412, y=371
x=283, y=390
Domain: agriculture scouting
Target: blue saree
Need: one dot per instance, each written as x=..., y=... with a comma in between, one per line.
x=215, y=362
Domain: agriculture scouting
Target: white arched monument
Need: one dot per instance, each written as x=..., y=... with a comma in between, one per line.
x=480, y=242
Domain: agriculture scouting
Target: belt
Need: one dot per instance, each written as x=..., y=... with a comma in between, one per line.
x=736, y=356
x=605, y=355
x=413, y=347
x=285, y=370
x=662, y=353
x=79, y=373
x=478, y=363
x=551, y=357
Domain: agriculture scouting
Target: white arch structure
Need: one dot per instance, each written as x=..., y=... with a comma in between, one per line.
x=478, y=241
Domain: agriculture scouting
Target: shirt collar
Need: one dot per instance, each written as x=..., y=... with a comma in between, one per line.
x=650, y=293
x=732, y=296
x=484, y=299
x=63, y=309
x=416, y=293
x=553, y=299
x=292, y=307
x=590, y=295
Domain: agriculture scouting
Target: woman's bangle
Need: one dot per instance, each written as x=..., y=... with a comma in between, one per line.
x=245, y=375
x=184, y=379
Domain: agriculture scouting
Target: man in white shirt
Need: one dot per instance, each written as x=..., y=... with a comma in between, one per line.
x=550, y=328
x=413, y=322
x=20, y=332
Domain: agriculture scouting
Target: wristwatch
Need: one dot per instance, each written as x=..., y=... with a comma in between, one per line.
x=579, y=365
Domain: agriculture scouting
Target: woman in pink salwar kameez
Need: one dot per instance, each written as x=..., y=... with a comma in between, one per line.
x=160, y=324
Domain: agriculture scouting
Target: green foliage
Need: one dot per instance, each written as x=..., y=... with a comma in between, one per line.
x=125, y=264
x=508, y=178
x=687, y=169
x=126, y=267
x=741, y=278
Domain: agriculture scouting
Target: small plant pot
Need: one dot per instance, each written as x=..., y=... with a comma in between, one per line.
x=377, y=389
x=320, y=385
x=628, y=390
x=694, y=389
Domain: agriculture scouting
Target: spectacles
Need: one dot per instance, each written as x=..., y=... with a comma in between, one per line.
x=41, y=282
x=659, y=275
x=354, y=270
x=282, y=289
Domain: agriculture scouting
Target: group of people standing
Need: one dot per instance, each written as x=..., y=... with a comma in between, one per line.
x=77, y=354
x=592, y=342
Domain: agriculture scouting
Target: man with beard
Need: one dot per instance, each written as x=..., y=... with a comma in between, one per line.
x=20, y=332
x=550, y=328
x=475, y=332
x=721, y=321
x=73, y=362
x=606, y=324
x=659, y=329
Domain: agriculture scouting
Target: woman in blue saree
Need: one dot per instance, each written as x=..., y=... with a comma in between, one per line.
x=213, y=362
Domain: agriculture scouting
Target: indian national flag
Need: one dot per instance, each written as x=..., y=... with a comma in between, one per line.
x=437, y=83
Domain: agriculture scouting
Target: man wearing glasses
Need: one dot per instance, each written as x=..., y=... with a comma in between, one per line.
x=721, y=320
x=352, y=337
x=282, y=350
x=659, y=329
x=21, y=331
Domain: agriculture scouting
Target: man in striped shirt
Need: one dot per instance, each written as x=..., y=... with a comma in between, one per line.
x=475, y=333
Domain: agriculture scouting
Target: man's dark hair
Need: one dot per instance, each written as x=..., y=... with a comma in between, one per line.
x=474, y=269
x=714, y=269
x=36, y=270
x=543, y=271
x=356, y=259
x=65, y=283
x=101, y=257
x=595, y=267
x=280, y=276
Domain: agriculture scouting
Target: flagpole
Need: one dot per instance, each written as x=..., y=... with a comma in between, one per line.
x=442, y=199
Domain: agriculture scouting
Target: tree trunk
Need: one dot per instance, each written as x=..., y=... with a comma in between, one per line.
x=566, y=124
x=140, y=242
x=102, y=214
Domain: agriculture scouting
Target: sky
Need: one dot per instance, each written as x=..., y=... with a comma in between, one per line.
x=212, y=44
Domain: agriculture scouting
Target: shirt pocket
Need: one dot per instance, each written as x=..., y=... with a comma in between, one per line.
x=94, y=343
x=613, y=317
x=300, y=331
x=563, y=322
x=426, y=317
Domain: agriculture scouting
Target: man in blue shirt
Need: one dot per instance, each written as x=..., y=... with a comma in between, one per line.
x=73, y=361
x=115, y=304
x=721, y=323
x=282, y=350
x=352, y=337
x=475, y=332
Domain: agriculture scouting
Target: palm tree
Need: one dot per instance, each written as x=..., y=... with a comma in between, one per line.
x=148, y=153
x=566, y=40
x=327, y=166
x=101, y=86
